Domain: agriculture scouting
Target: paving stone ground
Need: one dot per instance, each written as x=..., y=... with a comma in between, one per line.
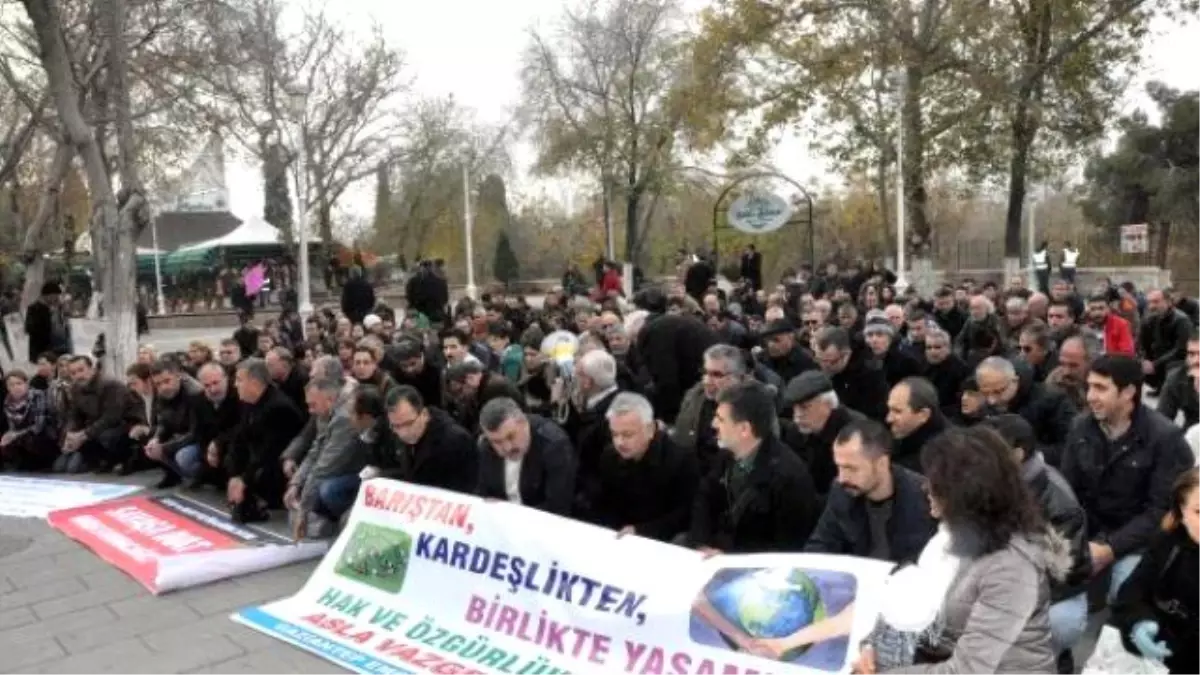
x=63, y=610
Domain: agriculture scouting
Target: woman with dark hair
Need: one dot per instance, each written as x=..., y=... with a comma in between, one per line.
x=1156, y=609
x=994, y=615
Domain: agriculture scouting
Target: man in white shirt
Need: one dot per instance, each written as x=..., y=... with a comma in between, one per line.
x=1070, y=258
x=525, y=459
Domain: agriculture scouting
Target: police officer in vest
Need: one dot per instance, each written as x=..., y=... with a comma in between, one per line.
x=1041, y=266
x=1070, y=257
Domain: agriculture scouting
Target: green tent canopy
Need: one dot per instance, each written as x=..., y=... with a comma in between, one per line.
x=188, y=260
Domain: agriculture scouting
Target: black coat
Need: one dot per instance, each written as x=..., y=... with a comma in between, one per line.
x=358, y=299
x=1049, y=411
x=1062, y=510
x=175, y=418
x=1163, y=339
x=792, y=364
x=951, y=321
x=906, y=452
x=775, y=513
x=1126, y=494
x=293, y=388
x=863, y=387
x=653, y=494
x=671, y=348
x=817, y=449
x=897, y=365
x=590, y=434
x=547, y=471
x=263, y=433
x=844, y=528
x=216, y=422
x=445, y=457
x=947, y=377
x=1164, y=588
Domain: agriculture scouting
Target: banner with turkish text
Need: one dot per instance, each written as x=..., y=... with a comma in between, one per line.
x=172, y=542
x=423, y=580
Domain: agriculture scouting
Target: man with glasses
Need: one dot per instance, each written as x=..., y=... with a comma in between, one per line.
x=434, y=450
x=416, y=369
x=859, y=383
x=1037, y=350
x=1009, y=387
x=724, y=366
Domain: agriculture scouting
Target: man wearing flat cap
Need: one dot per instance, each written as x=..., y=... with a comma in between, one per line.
x=784, y=355
x=819, y=417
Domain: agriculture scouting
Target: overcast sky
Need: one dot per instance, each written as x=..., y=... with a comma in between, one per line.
x=472, y=49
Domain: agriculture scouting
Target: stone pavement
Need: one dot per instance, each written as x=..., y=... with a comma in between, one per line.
x=63, y=610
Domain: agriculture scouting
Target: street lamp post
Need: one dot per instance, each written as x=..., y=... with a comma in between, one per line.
x=162, y=306
x=901, y=284
x=298, y=97
x=1030, y=234
x=468, y=230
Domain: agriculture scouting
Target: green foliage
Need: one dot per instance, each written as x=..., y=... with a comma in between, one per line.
x=1151, y=175
x=505, y=265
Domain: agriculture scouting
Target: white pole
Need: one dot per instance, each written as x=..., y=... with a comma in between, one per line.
x=162, y=306
x=468, y=225
x=305, y=298
x=610, y=242
x=901, y=238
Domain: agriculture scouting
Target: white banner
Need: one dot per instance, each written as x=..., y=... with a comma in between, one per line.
x=423, y=580
x=28, y=497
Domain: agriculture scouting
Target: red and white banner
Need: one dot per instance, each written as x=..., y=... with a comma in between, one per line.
x=172, y=542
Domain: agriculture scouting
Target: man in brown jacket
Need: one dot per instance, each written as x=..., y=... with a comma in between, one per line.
x=95, y=425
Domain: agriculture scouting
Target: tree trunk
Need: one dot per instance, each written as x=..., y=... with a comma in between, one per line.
x=325, y=218
x=913, y=164
x=885, y=207
x=31, y=247
x=1018, y=169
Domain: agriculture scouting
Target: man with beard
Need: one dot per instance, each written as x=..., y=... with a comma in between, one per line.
x=914, y=416
x=1179, y=391
x=858, y=383
x=525, y=459
x=1016, y=319
x=819, y=417
x=875, y=509
x=784, y=356
x=945, y=370
x=470, y=386
x=1113, y=330
x=1009, y=387
x=175, y=424
x=1163, y=339
x=981, y=319
x=1060, y=316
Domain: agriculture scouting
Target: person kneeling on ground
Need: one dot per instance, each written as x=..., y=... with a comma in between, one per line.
x=29, y=441
x=324, y=486
x=269, y=421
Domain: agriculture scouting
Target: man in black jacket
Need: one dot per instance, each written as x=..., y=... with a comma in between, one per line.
x=596, y=387
x=875, y=509
x=1009, y=387
x=525, y=459
x=1122, y=458
x=174, y=417
x=671, y=348
x=819, y=417
x=859, y=383
x=269, y=421
x=216, y=417
x=1069, y=608
x=434, y=450
x=945, y=370
x=1163, y=338
x=288, y=376
x=644, y=483
x=1178, y=393
x=759, y=496
x=784, y=355
x=914, y=417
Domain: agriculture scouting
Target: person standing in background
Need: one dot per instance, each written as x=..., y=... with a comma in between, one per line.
x=1070, y=259
x=1041, y=266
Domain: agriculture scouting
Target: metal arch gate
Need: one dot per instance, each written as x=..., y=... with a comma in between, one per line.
x=808, y=201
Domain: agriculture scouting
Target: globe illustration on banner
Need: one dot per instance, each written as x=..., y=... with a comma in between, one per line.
x=770, y=603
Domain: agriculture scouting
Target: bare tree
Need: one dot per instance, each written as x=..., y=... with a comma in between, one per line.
x=116, y=221
x=599, y=97
x=353, y=83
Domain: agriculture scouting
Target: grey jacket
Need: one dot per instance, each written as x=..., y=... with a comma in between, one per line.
x=298, y=449
x=996, y=612
x=333, y=453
